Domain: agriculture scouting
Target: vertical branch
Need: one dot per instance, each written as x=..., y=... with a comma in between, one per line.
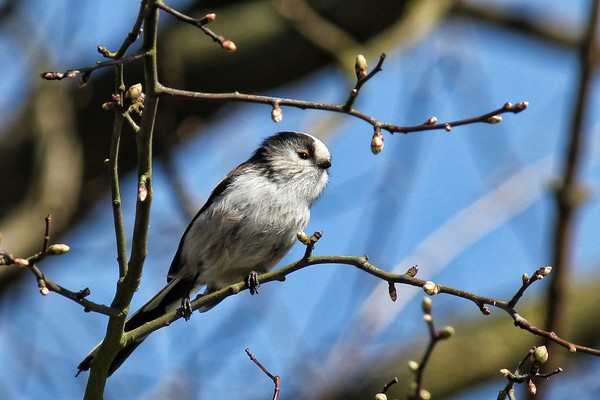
x=130, y=272
x=144, y=159
x=113, y=171
x=98, y=374
x=569, y=193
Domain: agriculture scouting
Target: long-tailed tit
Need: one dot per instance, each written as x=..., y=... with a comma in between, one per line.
x=247, y=225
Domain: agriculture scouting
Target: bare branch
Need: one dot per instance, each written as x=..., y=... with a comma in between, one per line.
x=361, y=80
x=200, y=24
x=84, y=72
x=489, y=117
x=133, y=35
x=46, y=285
x=570, y=193
x=539, y=274
x=363, y=264
x=274, y=378
x=535, y=358
x=418, y=369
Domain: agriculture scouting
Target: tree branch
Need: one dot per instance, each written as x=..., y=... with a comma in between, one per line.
x=274, y=378
x=416, y=388
x=132, y=270
x=569, y=193
x=226, y=44
x=491, y=117
x=46, y=285
x=85, y=72
x=363, y=264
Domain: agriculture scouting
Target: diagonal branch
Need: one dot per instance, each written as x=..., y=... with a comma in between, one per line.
x=79, y=297
x=274, y=378
x=363, y=264
x=226, y=44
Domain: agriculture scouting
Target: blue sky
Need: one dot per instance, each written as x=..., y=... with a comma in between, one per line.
x=470, y=207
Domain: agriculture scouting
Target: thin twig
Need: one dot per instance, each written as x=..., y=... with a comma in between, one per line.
x=417, y=391
x=112, y=165
x=274, y=378
x=78, y=297
x=85, y=71
x=133, y=35
x=388, y=385
x=47, y=234
x=528, y=281
x=200, y=24
x=46, y=285
x=535, y=358
x=361, y=81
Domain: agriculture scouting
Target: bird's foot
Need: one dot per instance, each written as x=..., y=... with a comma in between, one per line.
x=186, y=308
x=252, y=282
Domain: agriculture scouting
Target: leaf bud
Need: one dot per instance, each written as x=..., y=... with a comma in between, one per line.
x=276, y=114
x=21, y=262
x=142, y=193
x=392, y=291
x=426, y=305
x=134, y=92
x=103, y=50
x=540, y=355
x=303, y=238
x=57, y=249
x=108, y=106
x=431, y=288
x=360, y=66
x=446, y=332
x=314, y=238
x=377, y=142
x=208, y=18
x=431, y=121
x=228, y=45
x=413, y=366
x=505, y=372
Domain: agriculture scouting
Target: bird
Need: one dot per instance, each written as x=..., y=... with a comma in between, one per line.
x=248, y=224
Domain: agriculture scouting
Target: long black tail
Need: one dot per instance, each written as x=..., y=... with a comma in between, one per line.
x=166, y=300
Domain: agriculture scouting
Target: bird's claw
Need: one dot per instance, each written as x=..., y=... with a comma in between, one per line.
x=186, y=308
x=252, y=282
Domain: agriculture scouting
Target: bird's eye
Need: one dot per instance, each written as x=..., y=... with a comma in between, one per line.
x=303, y=154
